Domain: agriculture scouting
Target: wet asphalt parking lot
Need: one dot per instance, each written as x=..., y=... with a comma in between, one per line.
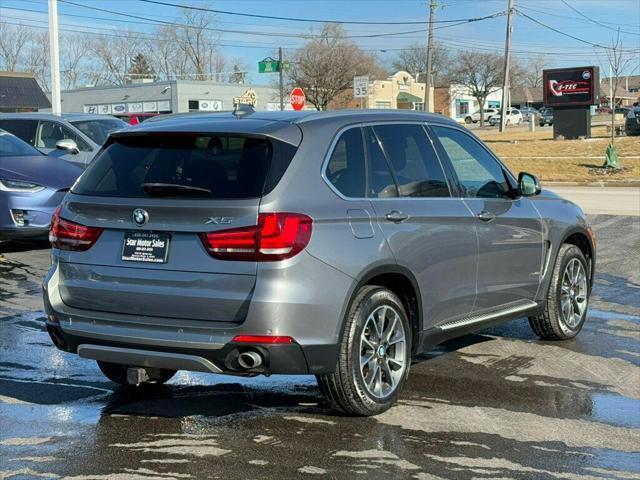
x=497, y=404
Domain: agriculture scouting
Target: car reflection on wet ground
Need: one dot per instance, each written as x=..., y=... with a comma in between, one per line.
x=498, y=404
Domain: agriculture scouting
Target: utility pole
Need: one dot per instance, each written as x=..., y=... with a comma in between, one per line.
x=281, y=83
x=427, y=84
x=56, y=105
x=506, y=84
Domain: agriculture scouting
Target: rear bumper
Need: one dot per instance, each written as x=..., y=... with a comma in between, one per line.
x=290, y=359
x=281, y=305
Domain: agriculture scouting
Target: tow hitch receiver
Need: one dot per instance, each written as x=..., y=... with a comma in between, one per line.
x=137, y=375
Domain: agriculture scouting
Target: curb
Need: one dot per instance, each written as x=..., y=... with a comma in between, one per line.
x=619, y=183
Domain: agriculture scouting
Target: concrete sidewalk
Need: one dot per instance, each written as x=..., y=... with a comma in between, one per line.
x=602, y=200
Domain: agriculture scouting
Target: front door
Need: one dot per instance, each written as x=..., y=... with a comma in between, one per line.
x=49, y=133
x=509, y=227
x=429, y=231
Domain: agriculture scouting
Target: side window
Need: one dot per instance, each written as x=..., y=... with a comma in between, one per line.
x=51, y=132
x=346, y=168
x=479, y=174
x=23, y=129
x=415, y=165
x=381, y=182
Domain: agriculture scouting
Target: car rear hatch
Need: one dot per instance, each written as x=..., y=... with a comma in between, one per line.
x=153, y=198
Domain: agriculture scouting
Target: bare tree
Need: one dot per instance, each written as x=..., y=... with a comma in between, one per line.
x=166, y=58
x=114, y=55
x=618, y=62
x=325, y=66
x=74, y=51
x=528, y=73
x=481, y=73
x=13, y=40
x=413, y=59
x=197, y=42
x=37, y=59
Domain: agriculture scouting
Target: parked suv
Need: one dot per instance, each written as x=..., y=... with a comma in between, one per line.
x=475, y=116
x=514, y=117
x=336, y=244
x=80, y=134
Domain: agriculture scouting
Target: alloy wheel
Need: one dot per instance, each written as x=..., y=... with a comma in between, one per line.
x=573, y=294
x=383, y=351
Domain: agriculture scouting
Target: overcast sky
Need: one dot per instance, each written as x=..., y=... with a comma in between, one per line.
x=251, y=45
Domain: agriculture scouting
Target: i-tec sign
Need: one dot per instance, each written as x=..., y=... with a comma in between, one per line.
x=571, y=86
x=360, y=87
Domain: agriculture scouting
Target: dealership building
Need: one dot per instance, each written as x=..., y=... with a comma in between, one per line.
x=174, y=96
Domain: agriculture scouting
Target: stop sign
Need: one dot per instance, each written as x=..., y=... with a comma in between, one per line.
x=297, y=99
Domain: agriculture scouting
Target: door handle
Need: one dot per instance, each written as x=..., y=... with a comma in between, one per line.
x=486, y=216
x=396, y=216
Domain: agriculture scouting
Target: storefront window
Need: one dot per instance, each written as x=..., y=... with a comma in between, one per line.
x=462, y=108
x=385, y=105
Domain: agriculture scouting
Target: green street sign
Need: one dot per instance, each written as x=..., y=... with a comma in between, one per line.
x=268, y=65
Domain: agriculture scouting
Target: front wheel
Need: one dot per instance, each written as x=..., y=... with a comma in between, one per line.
x=468, y=120
x=568, y=297
x=117, y=373
x=374, y=356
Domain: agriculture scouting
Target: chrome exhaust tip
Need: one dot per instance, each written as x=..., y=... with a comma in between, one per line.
x=250, y=359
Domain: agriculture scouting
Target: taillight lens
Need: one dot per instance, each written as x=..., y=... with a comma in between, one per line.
x=277, y=236
x=66, y=235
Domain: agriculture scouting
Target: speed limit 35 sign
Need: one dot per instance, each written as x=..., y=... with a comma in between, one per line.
x=360, y=87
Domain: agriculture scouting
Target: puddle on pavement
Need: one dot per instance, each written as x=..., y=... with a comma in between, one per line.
x=615, y=410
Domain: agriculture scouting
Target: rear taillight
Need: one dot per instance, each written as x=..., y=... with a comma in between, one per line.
x=66, y=235
x=277, y=236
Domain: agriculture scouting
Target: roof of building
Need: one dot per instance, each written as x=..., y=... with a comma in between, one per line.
x=620, y=92
x=21, y=91
x=526, y=95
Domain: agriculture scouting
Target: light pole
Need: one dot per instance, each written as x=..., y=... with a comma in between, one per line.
x=56, y=104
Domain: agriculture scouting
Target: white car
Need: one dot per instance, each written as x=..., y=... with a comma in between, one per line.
x=475, y=116
x=514, y=117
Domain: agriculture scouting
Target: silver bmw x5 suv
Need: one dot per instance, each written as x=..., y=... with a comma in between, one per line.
x=335, y=244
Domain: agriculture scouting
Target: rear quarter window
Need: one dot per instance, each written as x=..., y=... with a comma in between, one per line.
x=198, y=165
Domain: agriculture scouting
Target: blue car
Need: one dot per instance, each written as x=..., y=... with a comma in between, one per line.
x=32, y=186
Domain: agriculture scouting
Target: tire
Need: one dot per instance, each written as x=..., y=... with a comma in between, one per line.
x=468, y=120
x=346, y=389
x=556, y=322
x=117, y=373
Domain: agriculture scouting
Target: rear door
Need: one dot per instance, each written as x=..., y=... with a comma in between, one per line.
x=509, y=229
x=429, y=231
x=155, y=196
x=24, y=129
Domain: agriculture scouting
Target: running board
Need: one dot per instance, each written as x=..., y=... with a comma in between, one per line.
x=513, y=308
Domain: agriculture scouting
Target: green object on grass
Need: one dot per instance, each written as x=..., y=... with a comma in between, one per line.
x=611, y=158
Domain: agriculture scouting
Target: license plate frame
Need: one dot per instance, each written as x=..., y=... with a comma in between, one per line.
x=145, y=247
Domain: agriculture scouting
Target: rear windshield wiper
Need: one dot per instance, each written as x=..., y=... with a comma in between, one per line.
x=171, y=189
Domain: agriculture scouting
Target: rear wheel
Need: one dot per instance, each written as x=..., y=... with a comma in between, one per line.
x=375, y=355
x=117, y=373
x=568, y=297
x=468, y=120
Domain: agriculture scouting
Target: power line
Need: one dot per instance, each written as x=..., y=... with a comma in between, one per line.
x=294, y=19
x=595, y=21
x=558, y=31
x=570, y=17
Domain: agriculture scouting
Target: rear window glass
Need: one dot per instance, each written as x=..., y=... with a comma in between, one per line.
x=186, y=165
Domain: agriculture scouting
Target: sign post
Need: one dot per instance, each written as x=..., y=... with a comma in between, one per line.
x=361, y=88
x=297, y=98
x=271, y=65
x=571, y=92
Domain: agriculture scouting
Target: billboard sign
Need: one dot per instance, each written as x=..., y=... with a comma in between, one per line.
x=571, y=86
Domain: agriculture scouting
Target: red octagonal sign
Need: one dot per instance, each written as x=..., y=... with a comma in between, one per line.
x=297, y=98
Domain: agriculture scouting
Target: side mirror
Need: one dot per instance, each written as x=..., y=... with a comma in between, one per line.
x=67, y=144
x=528, y=185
